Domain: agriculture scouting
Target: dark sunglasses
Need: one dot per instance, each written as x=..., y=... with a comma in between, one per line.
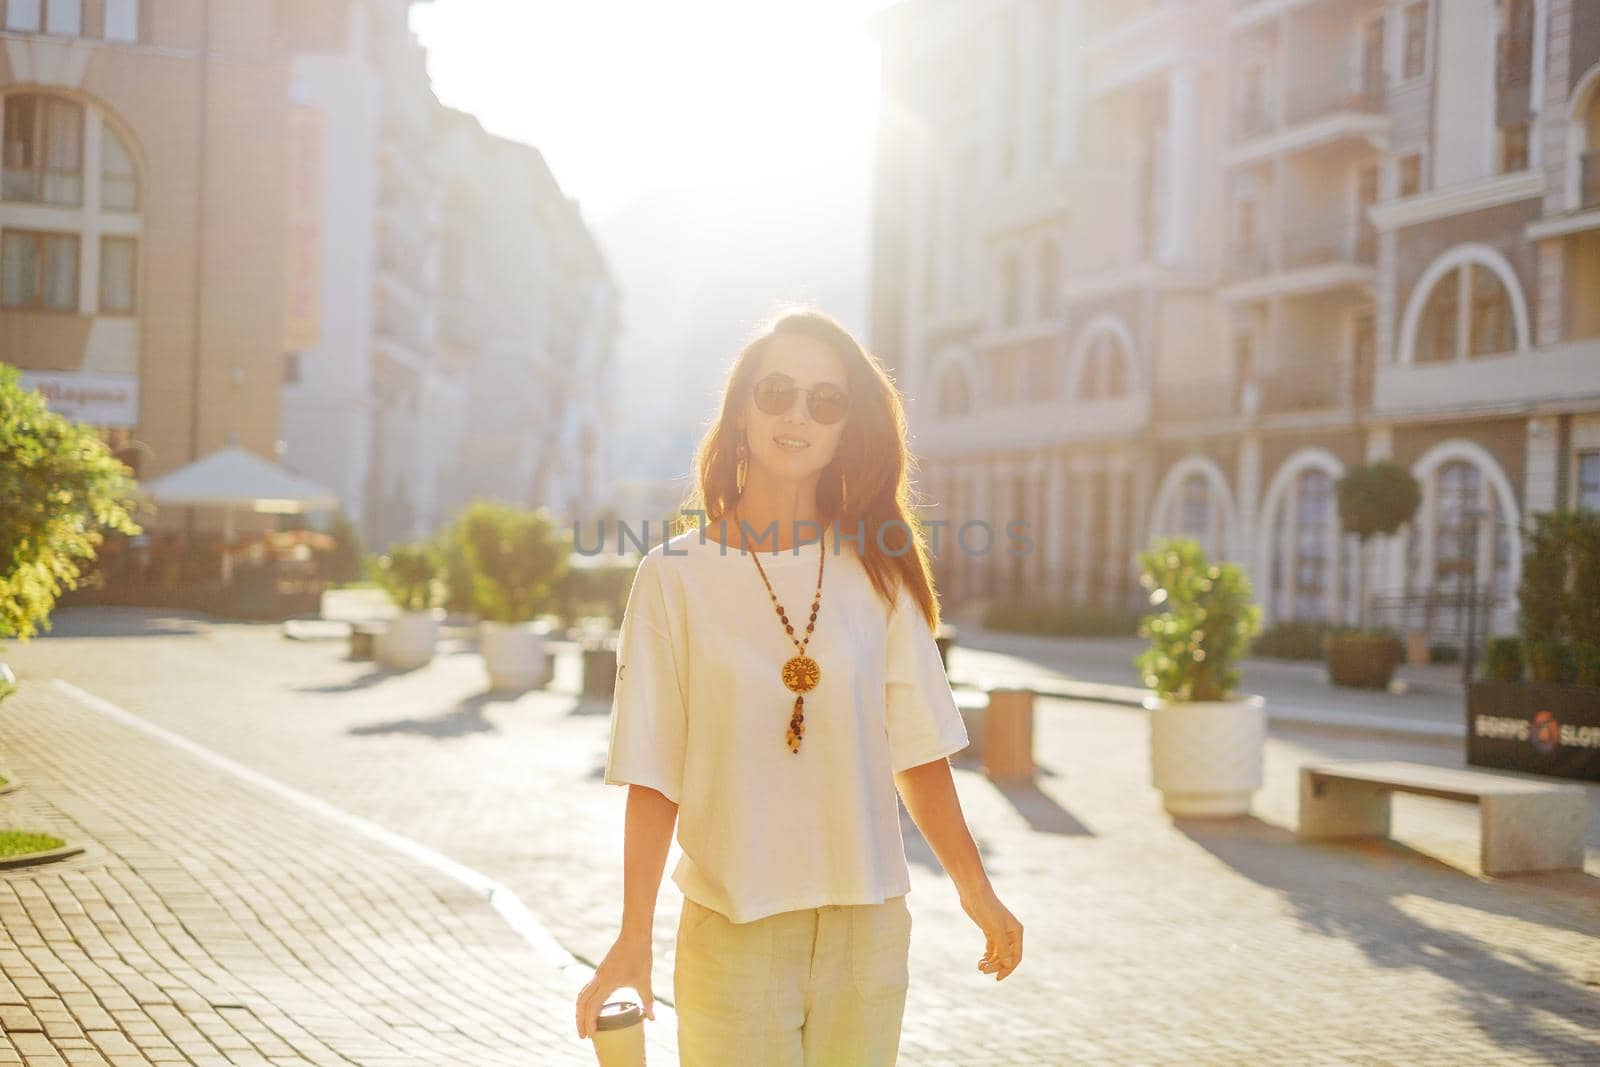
x=827, y=404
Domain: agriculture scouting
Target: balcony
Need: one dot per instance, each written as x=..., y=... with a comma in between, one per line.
x=1196, y=401
x=1308, y=387
x=1364, y=95
x=1327, y=242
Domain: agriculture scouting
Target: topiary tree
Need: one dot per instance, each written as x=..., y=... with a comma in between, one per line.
x=410, y=575
x=62, y=490
x=1375, y=499
x=516, y=559
x=1207, y=619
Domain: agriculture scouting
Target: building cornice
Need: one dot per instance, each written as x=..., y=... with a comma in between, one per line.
x=1459, y=199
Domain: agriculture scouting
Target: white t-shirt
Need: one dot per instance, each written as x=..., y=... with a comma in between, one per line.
x=700, y=713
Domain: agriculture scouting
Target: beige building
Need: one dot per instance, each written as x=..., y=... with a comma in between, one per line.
x=144, y=264
x=226, y=222
x=1171, y=267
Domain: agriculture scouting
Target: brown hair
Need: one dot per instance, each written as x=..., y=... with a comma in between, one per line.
x=872, y=462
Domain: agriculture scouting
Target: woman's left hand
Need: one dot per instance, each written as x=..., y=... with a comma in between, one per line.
x=1001, y=930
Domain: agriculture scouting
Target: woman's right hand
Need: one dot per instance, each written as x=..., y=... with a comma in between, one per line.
x=627, y=964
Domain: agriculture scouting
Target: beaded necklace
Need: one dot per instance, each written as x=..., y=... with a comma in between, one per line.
x=800, y=672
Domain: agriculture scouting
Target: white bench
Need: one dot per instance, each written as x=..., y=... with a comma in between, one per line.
x=1524, y=825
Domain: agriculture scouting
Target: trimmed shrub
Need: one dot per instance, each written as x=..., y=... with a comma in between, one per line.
x=1206, y=619
x=1502, y=660
x=1294, y=639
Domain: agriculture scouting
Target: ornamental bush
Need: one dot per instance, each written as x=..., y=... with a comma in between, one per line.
x=514, y=558
x=62, y=491
x=1206, y=619
x=410, y=575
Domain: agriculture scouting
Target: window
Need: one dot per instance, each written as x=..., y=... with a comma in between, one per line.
x=1491, y=314
x=40, y=270
x=1010, y=291
x=1589, y=480
x=1411, y=174
x=64, y=17
x=119, y=186
x=23, y=15
x=1049, y=281
x=1103, y=376
x=43, y=150
x=122, y=20
x=1513, y=148
x=118, y=270
x=1416, y=39
x=1436, y=342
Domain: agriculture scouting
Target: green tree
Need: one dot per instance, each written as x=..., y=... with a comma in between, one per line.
x=410, y=575
x=1375, y=499
x=63, y=490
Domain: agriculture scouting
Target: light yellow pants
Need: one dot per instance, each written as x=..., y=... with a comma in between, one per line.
x=818, y=987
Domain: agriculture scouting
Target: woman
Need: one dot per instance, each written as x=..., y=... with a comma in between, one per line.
x=777, y=682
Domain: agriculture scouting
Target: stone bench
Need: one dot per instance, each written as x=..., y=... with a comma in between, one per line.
x=1524, y=825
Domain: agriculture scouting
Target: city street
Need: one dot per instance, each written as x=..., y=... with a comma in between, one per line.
x=1149, y=940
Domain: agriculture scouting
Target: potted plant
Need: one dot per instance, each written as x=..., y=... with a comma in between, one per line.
x=409, y=574
x=1536, y=707
x=514, y=559
x=1206, y=740
x=1374, y=499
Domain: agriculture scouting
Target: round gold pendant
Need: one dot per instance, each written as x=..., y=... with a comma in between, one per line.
x=801, y=674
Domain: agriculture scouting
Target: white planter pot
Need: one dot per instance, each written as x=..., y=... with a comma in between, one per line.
x=1206, y=755
x=409, y=640
x=514, y=654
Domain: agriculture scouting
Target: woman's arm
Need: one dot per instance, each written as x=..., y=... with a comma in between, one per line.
x=929, y=792
x=646, y=839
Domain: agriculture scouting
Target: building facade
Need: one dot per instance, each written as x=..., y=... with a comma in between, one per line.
x=1172, y=267
x=227, y=223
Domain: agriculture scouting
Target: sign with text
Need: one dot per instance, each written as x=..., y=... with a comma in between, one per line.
x=109, y=400
x=1535, y=727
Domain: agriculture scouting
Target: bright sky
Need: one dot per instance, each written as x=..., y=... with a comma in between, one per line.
x=626, y=95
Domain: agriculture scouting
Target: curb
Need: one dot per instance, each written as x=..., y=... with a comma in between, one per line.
x=1128, y=696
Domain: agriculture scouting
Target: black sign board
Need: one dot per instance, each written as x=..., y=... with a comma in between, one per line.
x=1535, y=727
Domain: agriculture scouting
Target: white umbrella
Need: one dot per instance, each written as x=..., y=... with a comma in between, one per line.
x=234, y=479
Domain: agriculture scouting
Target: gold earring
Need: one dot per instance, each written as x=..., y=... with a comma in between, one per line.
x=743, y=466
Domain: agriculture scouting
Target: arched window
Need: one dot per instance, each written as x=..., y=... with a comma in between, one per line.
x=1194, y=502
x=62, y=232
x=1104, y=372
x=954, y=395
x=1468, y=312
x=1306, y=579
x=1460, y=539
x=1010, y=283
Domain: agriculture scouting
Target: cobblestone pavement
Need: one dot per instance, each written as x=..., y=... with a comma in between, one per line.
x=210, y=922
x=1149, y=940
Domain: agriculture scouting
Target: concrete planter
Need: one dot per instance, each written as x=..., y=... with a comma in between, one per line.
x=514, y=654
x=409, y=640
x=1206, y=755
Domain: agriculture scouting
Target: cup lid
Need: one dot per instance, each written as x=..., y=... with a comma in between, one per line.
x=618, y=1014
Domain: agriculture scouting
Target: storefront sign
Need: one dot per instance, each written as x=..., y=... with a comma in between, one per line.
x=108, y=400
x=1535, y=727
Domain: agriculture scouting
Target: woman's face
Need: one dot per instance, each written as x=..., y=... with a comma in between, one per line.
x=792, y=445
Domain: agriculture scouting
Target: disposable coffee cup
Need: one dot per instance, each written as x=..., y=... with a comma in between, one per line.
x=619, y=1034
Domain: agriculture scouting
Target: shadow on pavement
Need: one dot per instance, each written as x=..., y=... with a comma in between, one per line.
x=465, y=718
x=101, y=621
x=1506, y=996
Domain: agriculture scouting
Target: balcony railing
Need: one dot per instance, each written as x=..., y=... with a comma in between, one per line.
x=1192, y=401
x=1331, y=241
x=1308, y=387
x=1589, y=178
x=1364, y=93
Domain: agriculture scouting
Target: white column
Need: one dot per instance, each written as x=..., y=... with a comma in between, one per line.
x=1182, y=165
x=1056, y=525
